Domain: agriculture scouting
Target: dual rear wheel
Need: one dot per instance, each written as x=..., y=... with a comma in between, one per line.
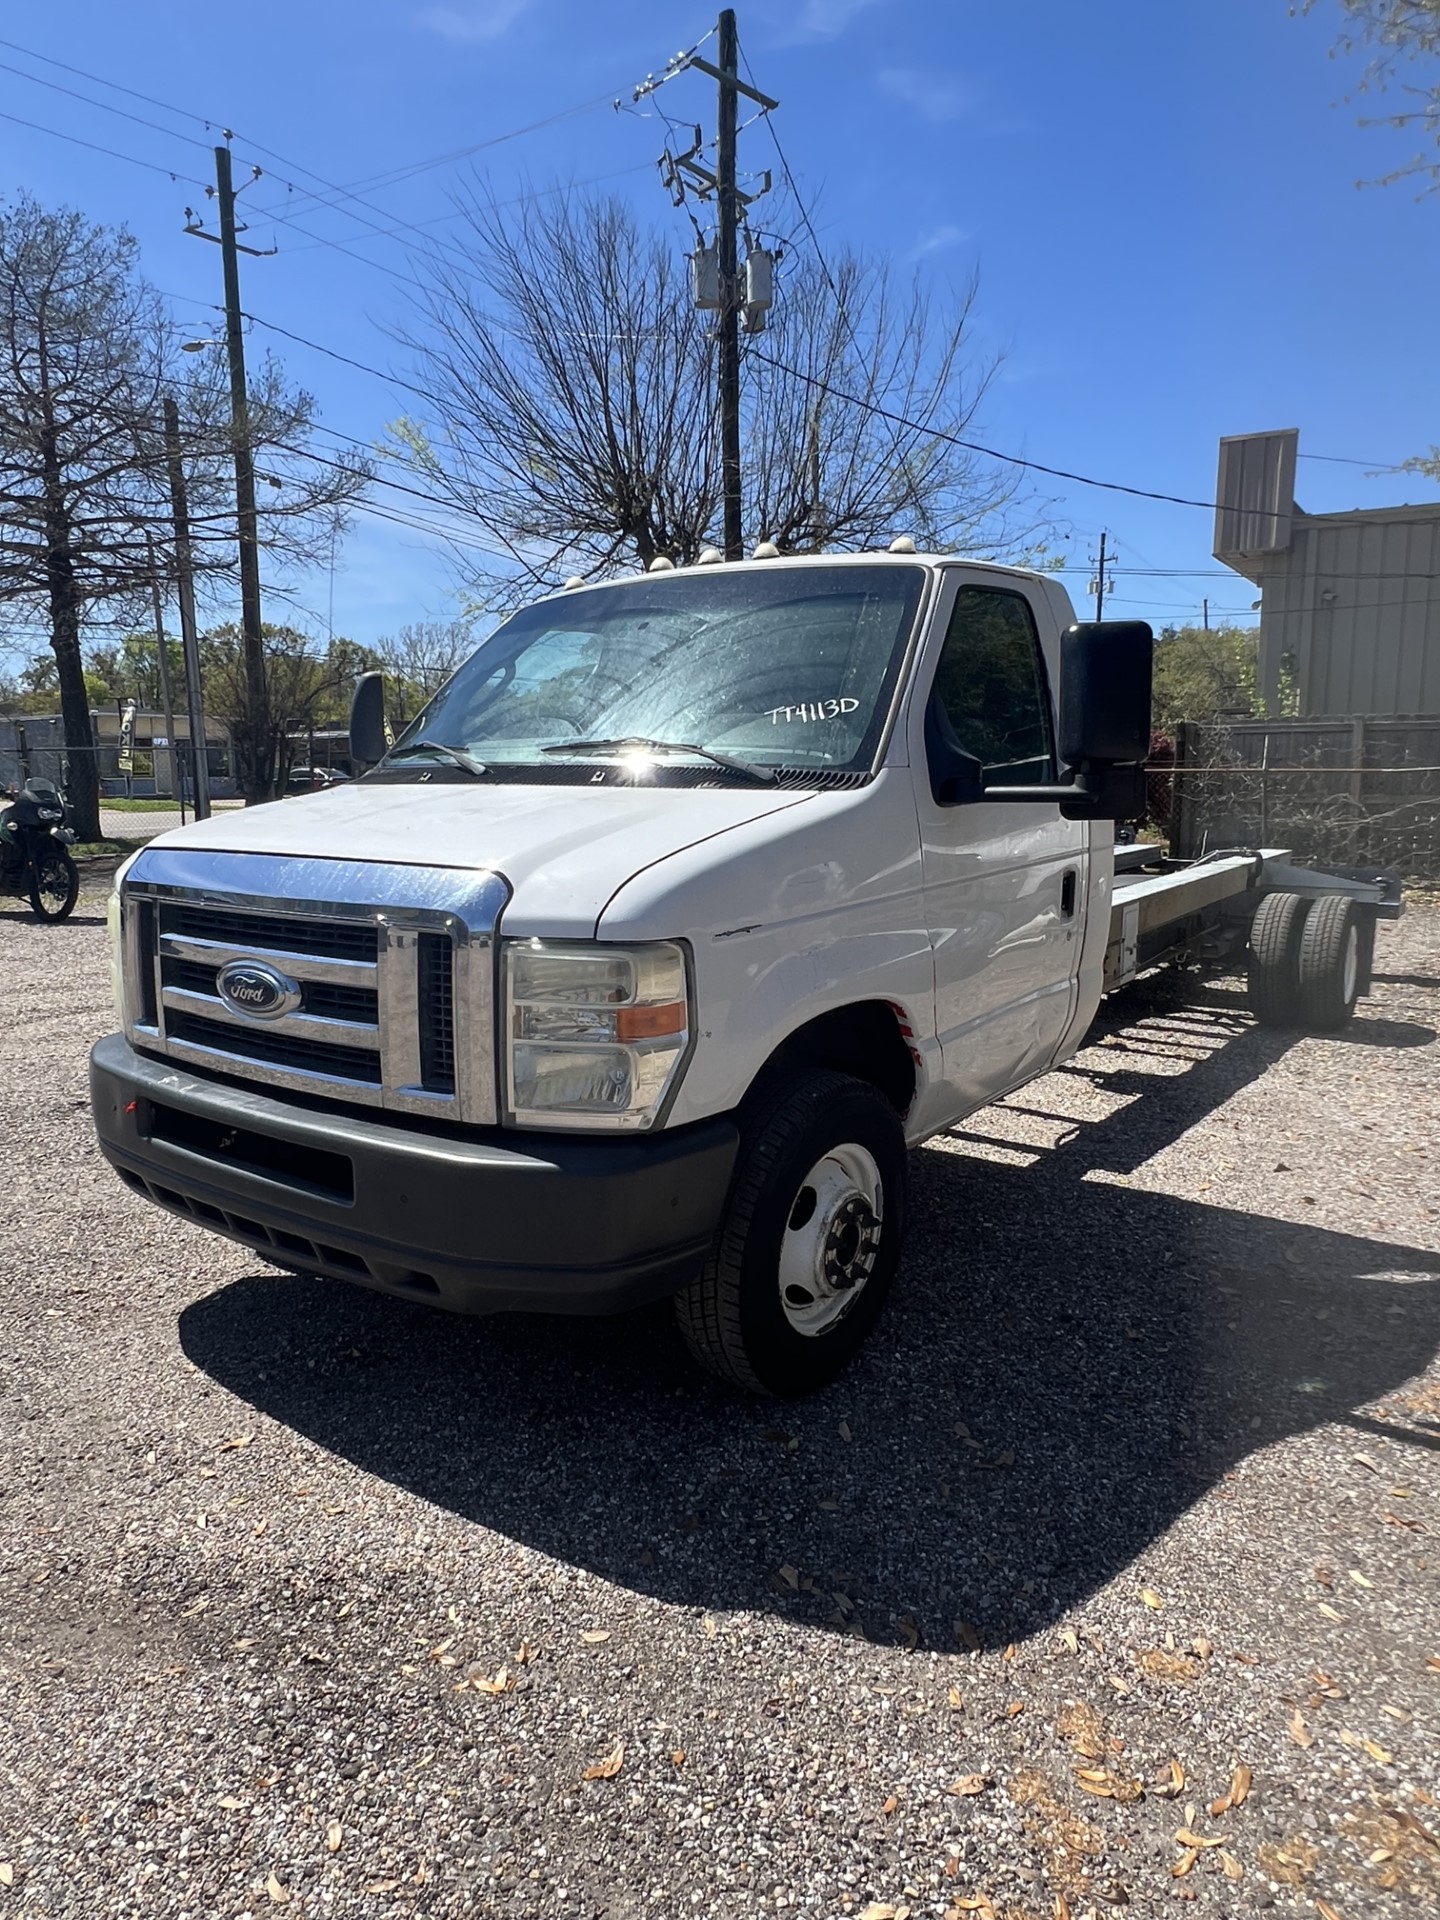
x=1309, y=959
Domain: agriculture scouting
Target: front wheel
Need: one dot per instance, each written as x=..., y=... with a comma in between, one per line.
x=54, y=883
x=808, y=1247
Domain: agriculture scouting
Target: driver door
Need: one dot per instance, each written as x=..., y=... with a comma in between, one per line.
x=1003, y=882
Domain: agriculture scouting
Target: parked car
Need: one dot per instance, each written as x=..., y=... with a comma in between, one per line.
x=313, y=779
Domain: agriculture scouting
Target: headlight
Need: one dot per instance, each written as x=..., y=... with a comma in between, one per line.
x=594, y=1036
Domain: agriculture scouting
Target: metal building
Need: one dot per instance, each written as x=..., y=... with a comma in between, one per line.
x=1351, y=601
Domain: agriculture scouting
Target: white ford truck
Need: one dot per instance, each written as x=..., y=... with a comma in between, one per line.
x=640, y=959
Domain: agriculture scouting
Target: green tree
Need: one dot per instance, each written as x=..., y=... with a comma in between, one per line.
x=307, y=688
x=1202, y=673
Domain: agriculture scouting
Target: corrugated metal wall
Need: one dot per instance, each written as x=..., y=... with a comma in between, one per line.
x=1356, y=602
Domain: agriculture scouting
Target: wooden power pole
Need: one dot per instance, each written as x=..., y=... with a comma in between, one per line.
x=728, y=220
x=251, y=638
x=185, y=582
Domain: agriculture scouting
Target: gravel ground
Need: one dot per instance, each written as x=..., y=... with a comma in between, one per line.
x=312, y=1599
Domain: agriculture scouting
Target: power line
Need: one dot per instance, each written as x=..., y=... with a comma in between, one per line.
x=330, y=353
x=514, y=200
x=974, y=446
x=149, y=99
x=110, y=153
x=138, y=120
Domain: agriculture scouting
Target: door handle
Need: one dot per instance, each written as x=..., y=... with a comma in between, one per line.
x=1067, y=893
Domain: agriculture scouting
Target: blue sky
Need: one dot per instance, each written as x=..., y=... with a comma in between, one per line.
x=1160, y=200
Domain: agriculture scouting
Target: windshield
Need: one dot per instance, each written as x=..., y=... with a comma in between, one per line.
x=794, y=668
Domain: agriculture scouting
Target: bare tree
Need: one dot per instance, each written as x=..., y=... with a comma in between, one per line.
x=572, y=401
x=421, y=657
x=83, y=353
x=87, y=357
x=1399, y=36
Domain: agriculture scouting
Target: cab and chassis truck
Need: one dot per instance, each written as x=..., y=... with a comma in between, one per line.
x=639, y=961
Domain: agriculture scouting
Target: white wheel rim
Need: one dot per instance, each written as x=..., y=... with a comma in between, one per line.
x=831, y=1238
x=1352, y=963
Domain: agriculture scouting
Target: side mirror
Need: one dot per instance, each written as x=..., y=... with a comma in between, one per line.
x=1105, y=674
x=369, y=736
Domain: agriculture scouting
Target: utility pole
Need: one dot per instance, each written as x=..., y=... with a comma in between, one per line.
x=722, y=286
x=162, y=660
x=728, y=212
x=185, y=583
x=1097, y=585
x=1205, y=614
x=251, y=639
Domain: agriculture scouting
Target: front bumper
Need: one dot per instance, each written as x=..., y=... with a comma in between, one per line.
x=469, y=1222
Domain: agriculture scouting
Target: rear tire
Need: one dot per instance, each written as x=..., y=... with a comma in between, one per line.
x=1331, y=962
x=809, y=1242
x=54, y=884
x=1274, y=976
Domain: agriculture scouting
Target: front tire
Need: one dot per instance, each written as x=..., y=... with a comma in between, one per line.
x=810, y=1240
x=54, y=883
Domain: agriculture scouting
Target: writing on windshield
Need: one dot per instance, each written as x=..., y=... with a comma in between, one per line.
x=796, y=667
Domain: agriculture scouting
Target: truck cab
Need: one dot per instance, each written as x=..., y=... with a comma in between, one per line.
x=637, y=963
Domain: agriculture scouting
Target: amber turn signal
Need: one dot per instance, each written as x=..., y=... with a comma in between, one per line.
x=649, y=1023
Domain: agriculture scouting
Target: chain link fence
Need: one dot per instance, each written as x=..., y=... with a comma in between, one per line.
x=1363, y=792
x=154, y=795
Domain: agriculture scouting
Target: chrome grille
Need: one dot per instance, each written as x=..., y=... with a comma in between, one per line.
x=394, y=967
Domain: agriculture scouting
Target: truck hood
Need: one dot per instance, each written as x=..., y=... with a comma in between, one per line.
x=564, y=850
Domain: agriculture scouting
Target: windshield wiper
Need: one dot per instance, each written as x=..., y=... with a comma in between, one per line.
x=472, y=766
x=634, y=745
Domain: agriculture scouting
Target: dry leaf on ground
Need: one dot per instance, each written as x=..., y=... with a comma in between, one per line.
x=279, y=1894
x=1070, y=1640
x=970, y=1783
x=1173, y=1785
x=1186, y=1861
x=1151, y=1598
x=334, y=1834
x=481, y=1682
x=593, y=1636
x=1326, y=1911
x=607, y=1768
x=7, y=1874
x=1230, y=1866
x=1299, y=1732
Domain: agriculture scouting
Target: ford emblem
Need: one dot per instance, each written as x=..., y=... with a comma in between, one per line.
x=256, y=989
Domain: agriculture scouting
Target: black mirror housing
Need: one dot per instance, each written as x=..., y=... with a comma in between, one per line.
x=369, y=739
x=1105, y=675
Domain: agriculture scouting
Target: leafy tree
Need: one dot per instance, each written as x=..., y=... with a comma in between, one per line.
x=571, y=402
x=1202, y=673
x=307, y=688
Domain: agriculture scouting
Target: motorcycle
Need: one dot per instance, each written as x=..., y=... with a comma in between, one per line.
x=35, y=854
